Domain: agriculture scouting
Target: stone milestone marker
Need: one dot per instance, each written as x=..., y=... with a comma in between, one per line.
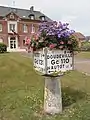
x=52, y=96
x=48, y=62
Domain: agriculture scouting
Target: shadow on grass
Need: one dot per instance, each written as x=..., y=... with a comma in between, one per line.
x=70, y=96
x=4, y=52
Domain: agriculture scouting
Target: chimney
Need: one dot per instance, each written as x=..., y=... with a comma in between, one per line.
x=32, y=8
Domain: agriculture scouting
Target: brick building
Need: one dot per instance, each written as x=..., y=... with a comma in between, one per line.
x=16, y=25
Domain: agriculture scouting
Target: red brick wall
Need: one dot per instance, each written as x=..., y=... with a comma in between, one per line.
x=22, y=35
x=4, y=33
x=28, y=34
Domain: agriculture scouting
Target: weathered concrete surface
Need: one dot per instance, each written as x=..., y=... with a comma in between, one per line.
x=52, y=95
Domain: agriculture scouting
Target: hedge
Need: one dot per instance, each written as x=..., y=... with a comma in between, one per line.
x=3, y=48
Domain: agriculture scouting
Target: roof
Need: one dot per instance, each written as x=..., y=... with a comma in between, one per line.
x=22, y=13
x=79, y=35
x=87, y=37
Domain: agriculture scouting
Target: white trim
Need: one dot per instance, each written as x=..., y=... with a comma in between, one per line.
x=1, y=27
x=12, y=22
x=14, y=49
x=25, y=28
x=1, y=40
x=33, y=29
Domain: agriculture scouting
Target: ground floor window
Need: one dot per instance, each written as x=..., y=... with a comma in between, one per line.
x=1, y=40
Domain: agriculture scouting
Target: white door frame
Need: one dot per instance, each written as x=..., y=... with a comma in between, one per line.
x=9, y=44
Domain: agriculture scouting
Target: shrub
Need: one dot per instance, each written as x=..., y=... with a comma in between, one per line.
x=3, y=48
x=85, y=46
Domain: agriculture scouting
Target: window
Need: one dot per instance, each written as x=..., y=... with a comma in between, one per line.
x=32, y=17
x=1, y=40
x=25, y=28
x=11, y=16
x=33, y=29
x=42, y=18
x=23, y=42
x=0, y=27
x=12, y=27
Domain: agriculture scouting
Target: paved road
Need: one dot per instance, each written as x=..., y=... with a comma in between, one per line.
x=82, y=65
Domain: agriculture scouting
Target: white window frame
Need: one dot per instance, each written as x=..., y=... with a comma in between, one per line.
x=33, y=29
x=14, y=23
x=1, y=40
x=43, y=18
x=0, y=27
x=12, y=27
x=32, y=17
x=11, y=16
x=25, y=28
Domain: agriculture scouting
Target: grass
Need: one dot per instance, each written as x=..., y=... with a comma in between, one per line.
x=21, y=92
x=85, y=55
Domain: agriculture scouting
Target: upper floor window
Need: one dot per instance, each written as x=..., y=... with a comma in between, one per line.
x=11, y=16
x=25, y=29
x=33, y=29
x=1, y=40
x=31, y=16
x=0, y=27
x=42, y=18
x=12, y=27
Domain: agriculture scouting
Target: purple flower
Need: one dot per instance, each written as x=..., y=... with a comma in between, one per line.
x=59, y=35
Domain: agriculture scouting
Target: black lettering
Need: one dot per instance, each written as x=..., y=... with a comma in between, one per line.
x=55, y=67
x=51, y=67
x=41, y=62
x=57, y=61
x=52, y=62
x=51, y=56
x=36, y=61
x=47, y=56
x=63, y=65
x=57, y=56
x=60, y=66
x=60, y=56
x=67, y=60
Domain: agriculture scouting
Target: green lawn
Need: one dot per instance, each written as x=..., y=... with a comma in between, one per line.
x=21, y=92
x=85, y=55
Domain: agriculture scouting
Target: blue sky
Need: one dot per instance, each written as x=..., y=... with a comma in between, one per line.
x=75, y=12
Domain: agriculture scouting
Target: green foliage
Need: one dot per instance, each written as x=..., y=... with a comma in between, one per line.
x=3, y=48
x=85, y=46
x=70, y=96
x=75, y=44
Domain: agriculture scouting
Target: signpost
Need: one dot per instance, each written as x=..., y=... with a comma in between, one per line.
x=48, y=62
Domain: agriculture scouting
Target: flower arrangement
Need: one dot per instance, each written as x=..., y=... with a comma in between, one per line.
x=54, y=35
